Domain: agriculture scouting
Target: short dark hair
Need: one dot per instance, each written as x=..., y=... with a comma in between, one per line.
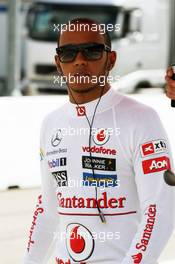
x=107, y=37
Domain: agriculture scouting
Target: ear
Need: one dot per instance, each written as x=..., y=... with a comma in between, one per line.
x=112, y=60
x=57, y=63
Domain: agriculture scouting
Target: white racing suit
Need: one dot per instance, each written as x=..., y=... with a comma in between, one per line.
x=130, y=152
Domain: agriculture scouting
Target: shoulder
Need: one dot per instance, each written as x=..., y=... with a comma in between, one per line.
x=133, y=110
x=56, y=116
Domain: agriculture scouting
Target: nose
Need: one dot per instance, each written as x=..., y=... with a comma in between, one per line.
x=80, y=59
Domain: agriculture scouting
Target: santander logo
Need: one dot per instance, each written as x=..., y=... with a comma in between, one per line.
x=137, y=258
x=39, y=210
x=79, y=242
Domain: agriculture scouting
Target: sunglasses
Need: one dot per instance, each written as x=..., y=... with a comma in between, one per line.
x=91, y=51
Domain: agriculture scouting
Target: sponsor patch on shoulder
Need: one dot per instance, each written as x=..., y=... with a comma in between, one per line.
x=153, y=147
x=155, y=165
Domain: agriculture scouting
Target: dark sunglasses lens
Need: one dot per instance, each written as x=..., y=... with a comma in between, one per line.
x=93, y=52
x=67, y=54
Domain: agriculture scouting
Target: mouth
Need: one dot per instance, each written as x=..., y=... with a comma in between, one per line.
x=78, y=74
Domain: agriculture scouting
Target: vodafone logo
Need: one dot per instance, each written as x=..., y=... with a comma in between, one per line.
x=79, y=242
x=155, y=165
x=100, y=149
x=101, y=136
x=81, y=110
x=60, y=261
x=153, y=147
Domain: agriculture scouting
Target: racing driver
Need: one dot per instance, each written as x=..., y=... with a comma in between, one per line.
x=103, y=155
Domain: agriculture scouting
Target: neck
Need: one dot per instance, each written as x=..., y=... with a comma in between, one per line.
x=90, y=95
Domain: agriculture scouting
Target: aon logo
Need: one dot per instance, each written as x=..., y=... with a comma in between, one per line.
x=155, y=165
x=159, y=164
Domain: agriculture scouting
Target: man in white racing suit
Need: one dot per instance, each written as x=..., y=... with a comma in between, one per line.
x=103, y=155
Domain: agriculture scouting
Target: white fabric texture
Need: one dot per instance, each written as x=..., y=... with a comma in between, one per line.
x=130, y=151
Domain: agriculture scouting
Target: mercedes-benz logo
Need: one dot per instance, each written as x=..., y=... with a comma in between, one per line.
x=56, y=138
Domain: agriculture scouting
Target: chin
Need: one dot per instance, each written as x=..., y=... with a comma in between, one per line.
x=81, y=88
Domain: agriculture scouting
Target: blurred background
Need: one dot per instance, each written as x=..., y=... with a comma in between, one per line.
x=29, y=89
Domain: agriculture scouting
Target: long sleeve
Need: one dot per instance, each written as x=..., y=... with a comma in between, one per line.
x=45, y=218
x=151, y=158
